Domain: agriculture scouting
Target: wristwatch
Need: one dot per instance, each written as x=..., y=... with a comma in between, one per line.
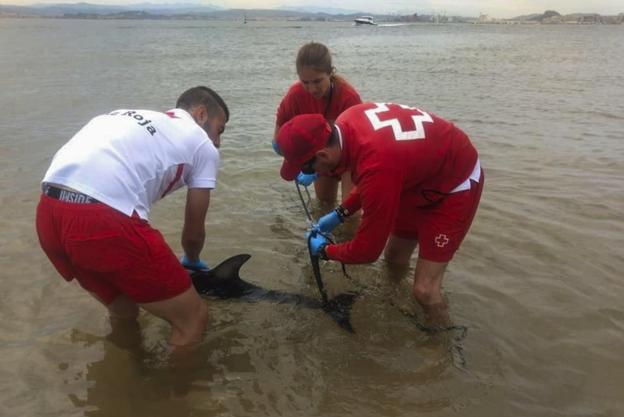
x=342, y=212
x=322, y=254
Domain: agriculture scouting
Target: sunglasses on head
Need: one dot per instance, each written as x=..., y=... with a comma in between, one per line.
x=308, y=167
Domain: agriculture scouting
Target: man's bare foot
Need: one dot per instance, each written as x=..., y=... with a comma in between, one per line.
x=437, y=316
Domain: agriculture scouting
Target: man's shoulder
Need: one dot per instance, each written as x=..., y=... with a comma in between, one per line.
x=179, y=123
x=354, y=113
x=208, y=149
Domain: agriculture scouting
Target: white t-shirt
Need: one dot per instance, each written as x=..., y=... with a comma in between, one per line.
x=129, y=159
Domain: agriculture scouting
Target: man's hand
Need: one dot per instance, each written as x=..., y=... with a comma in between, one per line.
x=276, y=148
x=306, y=179
x=328, y=222
x=193, y=233
x=197, y=265
x=316, y=243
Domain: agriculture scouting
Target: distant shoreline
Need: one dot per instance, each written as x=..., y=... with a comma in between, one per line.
x=278, y=19
x=148, y=11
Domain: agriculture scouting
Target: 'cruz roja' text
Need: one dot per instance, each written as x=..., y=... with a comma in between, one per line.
x=141, y=121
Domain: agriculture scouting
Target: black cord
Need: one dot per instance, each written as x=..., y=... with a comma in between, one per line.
x=331, y=93
x=315, y=259
x=431, y=330
x=303, y=203
x=317, y=274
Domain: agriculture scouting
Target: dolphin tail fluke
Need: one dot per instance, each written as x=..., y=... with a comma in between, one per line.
x=339, y=308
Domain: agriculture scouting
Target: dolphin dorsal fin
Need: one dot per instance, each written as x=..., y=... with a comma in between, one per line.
x=229, y=269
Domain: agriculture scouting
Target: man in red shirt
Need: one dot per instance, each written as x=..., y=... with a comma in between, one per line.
x=417, y=179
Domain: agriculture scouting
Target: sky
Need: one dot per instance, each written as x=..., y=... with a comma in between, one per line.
x=493, y=8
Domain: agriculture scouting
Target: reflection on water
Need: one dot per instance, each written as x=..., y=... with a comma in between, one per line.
x=126, y=377
x=537, y=282
x=290, y=365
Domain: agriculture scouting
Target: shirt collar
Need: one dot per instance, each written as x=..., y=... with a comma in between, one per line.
x=181, y=114
x=344, y=152
x=339, y=134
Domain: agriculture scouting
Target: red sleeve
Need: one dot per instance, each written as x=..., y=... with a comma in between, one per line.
x=379, y=191
x=284, y=111
x=352, y=203
x=287, y=108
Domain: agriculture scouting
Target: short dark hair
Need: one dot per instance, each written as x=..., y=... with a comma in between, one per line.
x=204, y=96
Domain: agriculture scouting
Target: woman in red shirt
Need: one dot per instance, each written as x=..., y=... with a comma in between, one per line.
x=320, y=91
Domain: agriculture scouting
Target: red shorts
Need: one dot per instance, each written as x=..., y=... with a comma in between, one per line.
x=109, y=253
x=441, y=227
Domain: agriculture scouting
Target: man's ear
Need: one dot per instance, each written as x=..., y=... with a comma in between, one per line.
x=200, y=114
x=328, y=156
x=323, y=154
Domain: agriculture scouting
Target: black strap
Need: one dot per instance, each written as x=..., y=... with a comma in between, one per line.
x=315, y=259
x=68, y=196
x=331, y=93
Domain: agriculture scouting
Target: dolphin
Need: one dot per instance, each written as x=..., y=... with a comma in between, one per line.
x=224, y=282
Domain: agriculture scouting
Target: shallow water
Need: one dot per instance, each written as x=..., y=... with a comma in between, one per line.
x=538, y=282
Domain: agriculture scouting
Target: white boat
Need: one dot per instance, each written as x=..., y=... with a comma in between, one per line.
x=364, y=20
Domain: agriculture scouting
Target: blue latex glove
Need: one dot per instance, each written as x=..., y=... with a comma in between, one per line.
x=306, y=179
x=316, y=242
x=276, y=148
x=328, y=222
x=194, y=266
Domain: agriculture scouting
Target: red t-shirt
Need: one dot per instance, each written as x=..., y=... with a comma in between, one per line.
x=396, y=153
x=298, y=101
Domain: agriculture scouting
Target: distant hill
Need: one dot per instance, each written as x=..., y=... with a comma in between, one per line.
x=60, y=9
x=536, y=17
x=173, y=10
x=324, y=10
x=551, y=16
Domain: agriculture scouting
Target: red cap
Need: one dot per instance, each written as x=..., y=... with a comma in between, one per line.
x=299, y=139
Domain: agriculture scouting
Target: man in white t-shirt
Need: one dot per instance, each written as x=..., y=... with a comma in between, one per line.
x=92, y=218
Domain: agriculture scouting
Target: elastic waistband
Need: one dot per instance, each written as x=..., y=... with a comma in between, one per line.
x=68, y=196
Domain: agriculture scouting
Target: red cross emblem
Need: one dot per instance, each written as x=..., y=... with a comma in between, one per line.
x=442, y=240
x=403, y=112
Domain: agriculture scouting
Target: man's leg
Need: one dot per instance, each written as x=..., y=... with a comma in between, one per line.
x=428, y=291
x=346, y=184
x=138, y=269
x=122, y=307
x=428, y=276
x=399, y=250
x=428, y=281
x=188, y=315
x=123, y=313
x=326, y=190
